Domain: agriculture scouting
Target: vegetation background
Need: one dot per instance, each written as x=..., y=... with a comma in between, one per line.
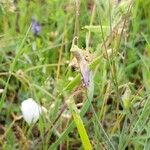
x=113, y=112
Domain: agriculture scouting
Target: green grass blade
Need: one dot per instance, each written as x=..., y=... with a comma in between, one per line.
x=20, y=52
x=81, y=129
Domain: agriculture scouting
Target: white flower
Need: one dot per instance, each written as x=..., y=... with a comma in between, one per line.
x=31, y=110
x=1, y=91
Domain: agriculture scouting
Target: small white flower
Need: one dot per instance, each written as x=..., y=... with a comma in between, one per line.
x=31, y=110
x=70, y=78
x=1, y=91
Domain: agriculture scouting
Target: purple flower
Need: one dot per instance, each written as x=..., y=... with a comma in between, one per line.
x=35, y=27
x=85, y=71
x=84, y=68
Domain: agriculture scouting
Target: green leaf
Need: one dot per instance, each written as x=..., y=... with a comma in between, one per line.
x=79, y=123
x=81, y=129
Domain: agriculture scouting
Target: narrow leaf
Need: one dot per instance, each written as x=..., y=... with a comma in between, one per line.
x=81, y=129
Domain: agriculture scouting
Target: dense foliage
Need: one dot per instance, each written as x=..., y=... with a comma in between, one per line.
x=86, y=63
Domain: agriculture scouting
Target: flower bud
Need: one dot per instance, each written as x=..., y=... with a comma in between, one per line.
x=31, y=111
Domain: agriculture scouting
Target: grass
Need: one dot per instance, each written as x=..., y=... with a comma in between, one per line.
x=113, y=112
